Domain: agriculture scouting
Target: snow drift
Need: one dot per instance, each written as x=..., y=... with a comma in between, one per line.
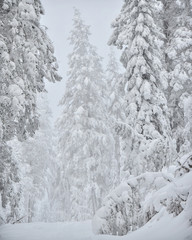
x=146, y=197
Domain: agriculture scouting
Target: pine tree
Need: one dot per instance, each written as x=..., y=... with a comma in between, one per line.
x=10, y=187
x=148, y=142
x=85, y=141
x=26, y=58
x=115, y=105
x=179, y=50
x=38, y=154
x=37, y=166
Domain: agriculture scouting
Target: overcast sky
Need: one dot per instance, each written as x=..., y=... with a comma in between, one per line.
x=58, y=18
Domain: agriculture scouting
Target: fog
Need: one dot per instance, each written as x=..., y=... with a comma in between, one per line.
x=99, y=14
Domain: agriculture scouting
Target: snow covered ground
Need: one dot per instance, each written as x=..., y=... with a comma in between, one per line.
x=168, y=228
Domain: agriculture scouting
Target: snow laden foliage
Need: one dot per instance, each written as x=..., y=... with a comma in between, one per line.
x=10, y=188
x=147, y=133
x=39, y=155
x=179, y=55
x=187, y=132
x=146, y=197
x=26, y=58
x=86, y=145
x=37, y=167
x=121, y=211
x=115, y=104
x=115, y=90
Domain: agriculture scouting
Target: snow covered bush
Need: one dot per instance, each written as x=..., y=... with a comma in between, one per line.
x=176, y=196
x=136, y=201
x=184, y=164
x=121, y=212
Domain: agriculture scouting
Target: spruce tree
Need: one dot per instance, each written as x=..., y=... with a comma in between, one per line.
x=115, y=107
x=148, y=142
x=26, y=59
x=179, y=51
x=85, y=142
x=38, y=154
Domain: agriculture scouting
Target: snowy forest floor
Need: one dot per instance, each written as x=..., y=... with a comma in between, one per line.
x=167, y=228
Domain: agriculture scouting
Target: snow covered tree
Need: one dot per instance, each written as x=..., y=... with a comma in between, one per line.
x=10, y=187
x=148, y=196
x=115, y=104
x=39, y=156
x=8, y=168
x=147, y=130
x=179, y=52
x=38, y=167
x=114, y=78
x=85, y=142
x=26, y=58
x=187, y=131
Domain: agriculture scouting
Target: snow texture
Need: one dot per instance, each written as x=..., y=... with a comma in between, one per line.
x=145, y=198
x=167, y=228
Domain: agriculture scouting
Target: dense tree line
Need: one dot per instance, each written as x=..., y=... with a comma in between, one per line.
x=155, y=38
x=125, y=131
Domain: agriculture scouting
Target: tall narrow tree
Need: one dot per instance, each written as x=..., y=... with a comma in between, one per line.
x=26, y=58
x=115, y=106
x=37, y=153
x=148, y=142
x=179, y=54
x=85, y=142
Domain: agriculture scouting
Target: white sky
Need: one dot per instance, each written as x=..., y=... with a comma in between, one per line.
x=58, y=18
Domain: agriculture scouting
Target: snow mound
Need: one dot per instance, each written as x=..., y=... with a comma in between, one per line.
x=167, y=228
x=145, y=198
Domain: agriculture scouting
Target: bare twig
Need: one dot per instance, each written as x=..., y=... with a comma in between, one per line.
x=19, y=220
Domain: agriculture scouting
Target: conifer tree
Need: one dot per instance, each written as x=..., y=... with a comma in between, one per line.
x=136, y=32
x=38, y=154
x=179, y=52
x=85, y=141
x=26, y=58
x=115, y=106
